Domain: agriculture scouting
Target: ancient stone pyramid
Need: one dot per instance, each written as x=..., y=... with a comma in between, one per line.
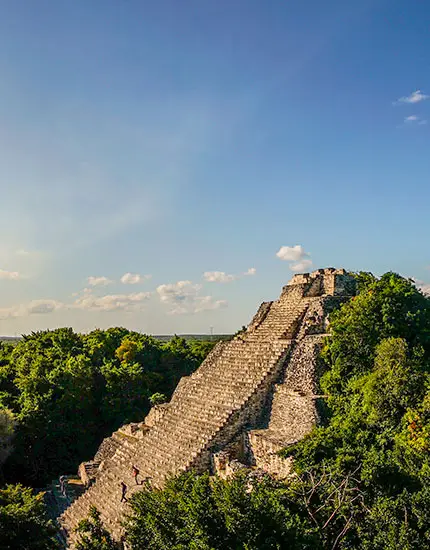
x=251, y=397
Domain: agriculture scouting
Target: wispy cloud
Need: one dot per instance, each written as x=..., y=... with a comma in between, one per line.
x=223, y=277
x=19, y=263
x=99, y=281
x=414, y=120
x=111, y=302
x=24, y=253
x=184, y=297
x=218, y=277
x=301, y=266
x=414, y=97
x=73, y=175
x=134, y=278
x=299, y=258
x=424, y=287
x=9, y=275
x=84, y=300
x=206, y=303
x=34, y=307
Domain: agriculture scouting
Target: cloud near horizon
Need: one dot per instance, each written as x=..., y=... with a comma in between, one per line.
x=134, y=278
x=301, y=266
x=299, y=258
x=9, y=275
x=183, y=297
x=111, y=302
x=421, y=285
x=21, y=263
x=223, y=277
x=34, y=307
x=85, y=300
x=99, y=281
x=218, y=277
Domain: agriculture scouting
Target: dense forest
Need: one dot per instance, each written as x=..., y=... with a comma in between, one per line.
x=61, y=393
x=361, y=479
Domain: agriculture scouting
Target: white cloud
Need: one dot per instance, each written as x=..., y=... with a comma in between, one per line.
x=222, y=277
x=24, y=260
x=297, y=255
x=134, y=278
x=178, y=295
x=204, y=303
x=301, y=266
x=183, y=297
x=111, y=302
x=424, y=287
x=218, y=277
x=25, y=253
x=291, y=253
x=99, y=281
x=84, y=300
x=43, y=306
x=414, y=119
x=9, y=275
x=35, y=307
x=415, y=97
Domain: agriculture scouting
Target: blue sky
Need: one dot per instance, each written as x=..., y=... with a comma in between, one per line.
x=179, y=145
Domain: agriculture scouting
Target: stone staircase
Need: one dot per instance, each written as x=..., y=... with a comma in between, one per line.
x=182, y=439
x=227, y=396
x=56, y=503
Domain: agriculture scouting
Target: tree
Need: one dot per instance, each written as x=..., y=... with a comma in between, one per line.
x=127, y=351
x=68, y=391
x=387, y=307
x=157, y=399
x=364, y=475
x=7, y=428
x=24, y=523
x=197, y=512
x=92, y=534
x=201, y=348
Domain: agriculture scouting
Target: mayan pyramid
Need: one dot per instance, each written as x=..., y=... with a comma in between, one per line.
x=251, y=397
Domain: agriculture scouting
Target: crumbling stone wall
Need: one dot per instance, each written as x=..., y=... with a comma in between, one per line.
x=250, y=397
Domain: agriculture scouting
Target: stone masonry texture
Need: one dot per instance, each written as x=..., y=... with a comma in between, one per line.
x=251, y=397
